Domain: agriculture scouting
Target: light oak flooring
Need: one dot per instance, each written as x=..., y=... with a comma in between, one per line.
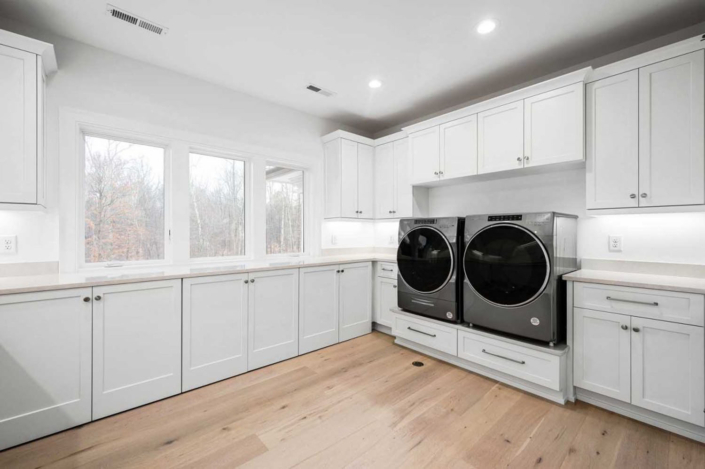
x=360, y=404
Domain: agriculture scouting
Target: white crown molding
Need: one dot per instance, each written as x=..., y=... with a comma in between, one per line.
x=348, y=136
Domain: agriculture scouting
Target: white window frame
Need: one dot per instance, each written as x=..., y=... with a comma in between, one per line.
x=305, y=248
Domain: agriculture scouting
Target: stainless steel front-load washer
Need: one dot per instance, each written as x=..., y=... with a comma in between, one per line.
x=512, y=267
x=428, y=260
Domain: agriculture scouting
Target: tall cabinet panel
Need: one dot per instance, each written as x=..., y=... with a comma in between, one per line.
x=404, y=192
x=365, y=181
x=355, y=300
x=45, y=363
x=136, y=345
x=273, y=317
x=671, y=132
x=613, y=142
x=349, y=179
x=18, y=126
x=318, y=307
x=501, y=138
x=214, y=329
x=385, y=180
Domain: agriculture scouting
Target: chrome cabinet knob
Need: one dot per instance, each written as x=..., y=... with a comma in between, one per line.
x=97, y=298
x=441, y=173
x=519, y=159
x=526, y=158
x=632, y=196
x=436, y=173
x=247, y=281
x=636, y=329
x=86, y=299
x=394, y=286
x=644, y=195
x=624, y=327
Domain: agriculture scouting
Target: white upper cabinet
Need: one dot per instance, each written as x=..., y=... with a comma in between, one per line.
x=318, y=307
x=613, y=141
x=501, y=138
x=404, y=192
x=671, y=132
x=214, y=329
x=425, y=151
x=355, y=300
x=385, y=180
x=349, y=178
x=553, y=126
x=18, y=126
x=459, y=148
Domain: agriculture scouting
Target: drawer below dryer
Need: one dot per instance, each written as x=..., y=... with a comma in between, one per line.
x=528, y=364
x=426, y=333
x=387, y=269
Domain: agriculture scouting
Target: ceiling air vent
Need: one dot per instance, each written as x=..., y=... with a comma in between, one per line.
x=135, y=20
x=319, y=90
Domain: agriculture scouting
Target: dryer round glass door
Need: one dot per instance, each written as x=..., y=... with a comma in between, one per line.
x=506, y=265
x=425, y=259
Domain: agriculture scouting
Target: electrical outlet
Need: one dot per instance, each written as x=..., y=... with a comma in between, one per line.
x=392, y=240
x=8, y=244
x=333, y=240
x=615, y=243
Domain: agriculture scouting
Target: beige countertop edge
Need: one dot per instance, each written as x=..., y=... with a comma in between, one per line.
x=53, y=282
x=626, y=279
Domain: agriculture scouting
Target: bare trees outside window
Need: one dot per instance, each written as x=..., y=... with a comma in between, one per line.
x=284, y=210
x=217, y=219
x=124, y=201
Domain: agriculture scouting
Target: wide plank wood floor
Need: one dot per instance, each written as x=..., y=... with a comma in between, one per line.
x=360, y=404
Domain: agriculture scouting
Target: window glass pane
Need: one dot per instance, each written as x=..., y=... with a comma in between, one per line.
x=124, y=201
x=217, y=220
x=285, y=210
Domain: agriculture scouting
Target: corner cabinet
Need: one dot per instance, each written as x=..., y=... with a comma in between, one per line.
x=393, y=190
x=645, y=136
x=22, y=76
x=349, y=176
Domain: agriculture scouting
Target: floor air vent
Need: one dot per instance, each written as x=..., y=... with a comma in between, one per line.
x=319, y=90
x=135, y=20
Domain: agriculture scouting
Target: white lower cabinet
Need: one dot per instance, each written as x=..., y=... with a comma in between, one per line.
x=136, y=345
x=45, y=363
x=385, y=300
x=668, y=369
x=318, y=307
x=355, y=300
x=214, y=329
x=273, y=317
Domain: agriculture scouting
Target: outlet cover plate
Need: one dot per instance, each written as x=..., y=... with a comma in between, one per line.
x=8, y=244
x=615, y=243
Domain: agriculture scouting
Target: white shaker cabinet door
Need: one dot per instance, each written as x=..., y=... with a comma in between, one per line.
x=136, y=345
x=459, y=148
x=18, y=126
x=365, y=181
x=348, y=179
x=384, y=181
x=602, y=353
x=355, y=311
x=404, y=197
x=45, y=363
x=214, y=329
x=386, y=299
x=424, y=147
x=273, y=317
x=318, y=307
x=501, y=138
x=613, y=142
x=668, y=369
x=554, y=127
x=672, y=132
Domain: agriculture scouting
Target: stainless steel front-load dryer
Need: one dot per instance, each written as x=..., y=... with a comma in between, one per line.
x=512, y=267
x=428, y=260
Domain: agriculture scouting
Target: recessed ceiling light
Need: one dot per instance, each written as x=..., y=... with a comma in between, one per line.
x=375, y=84
x=486, y=26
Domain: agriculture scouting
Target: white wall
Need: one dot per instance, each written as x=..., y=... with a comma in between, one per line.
x=94, y=80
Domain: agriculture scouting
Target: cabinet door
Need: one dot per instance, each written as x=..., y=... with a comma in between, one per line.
x=333, y=180
x=386, y=299
x=365, y=181
x=18, y=126
x=404, y=201
x=671, y=132
x=500, y=138
x=136, y=345
x=318, y=307
x=424, y=146
x=273, y=317
x=668, y=366
x=553, y=126
x=214, y=329
x=459, y=147
x=45, y=360
x=602, y=350
x=355, y=302
x=613, y=142
x=384, y=181
x=348, y=183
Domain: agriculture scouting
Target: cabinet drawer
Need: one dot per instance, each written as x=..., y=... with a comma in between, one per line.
x=531, y=365
x=685, y=308
x=387, y=270
x=426, y=333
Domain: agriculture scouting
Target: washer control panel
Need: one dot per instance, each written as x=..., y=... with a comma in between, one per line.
x=504, y=218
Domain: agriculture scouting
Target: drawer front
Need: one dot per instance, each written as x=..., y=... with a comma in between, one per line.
x=387, y=270
x=684, y=308
x=531, y=365
x=426, y=333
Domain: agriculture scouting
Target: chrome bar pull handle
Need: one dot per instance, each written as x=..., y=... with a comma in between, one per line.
x=648, y=303
x=521, y=362
x=421, y=332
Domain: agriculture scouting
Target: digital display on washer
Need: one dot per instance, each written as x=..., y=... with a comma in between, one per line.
x=504, y=218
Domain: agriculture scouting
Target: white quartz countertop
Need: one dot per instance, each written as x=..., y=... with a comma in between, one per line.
x=628, y=279
x=36, y=283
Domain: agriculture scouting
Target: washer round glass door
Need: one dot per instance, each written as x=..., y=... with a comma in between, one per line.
x=506, y=265
x=425, y=259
